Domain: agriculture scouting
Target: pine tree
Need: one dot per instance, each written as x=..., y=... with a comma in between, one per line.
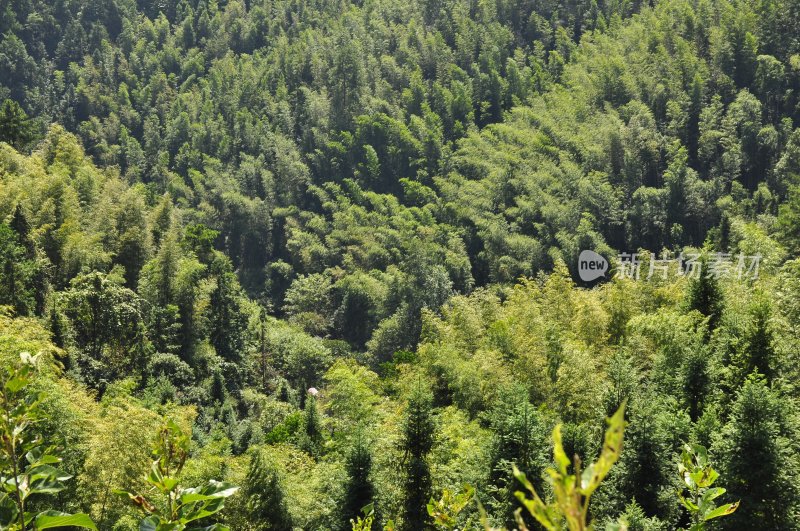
x=15, y=126
x=520, y=438
x=759, y=352
x=228, y=319
x=757, y=465
x=705, y=294
x=20, y=224
x=359, y=491
x=312, y=431
x=266, y=504
x=17, y=273
x=418, y=434
x=695, y=381
x=693, y=127
x=645, y=471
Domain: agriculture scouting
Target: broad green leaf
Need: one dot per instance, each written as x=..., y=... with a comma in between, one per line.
x=13, y=385
x=149, y=524
x=55, y=519
x=722, y=510
x=168, y=484
x=522, y=478
x=213, y=491
x=689, y=504
x=712, y=494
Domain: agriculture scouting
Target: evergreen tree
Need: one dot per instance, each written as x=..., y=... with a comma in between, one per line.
x=107, y=328
x=35, y=266
x=759, y=351
x=228, y=319
x=15, y=126
x=645, y=473
x=312, y=430
x=705, y=294
x=695, y=381
x=265, y=498
x=18, y=273
x=359, y=491
x=757, y=465
x=19, y=223
x=521, y=439
x=418, y=436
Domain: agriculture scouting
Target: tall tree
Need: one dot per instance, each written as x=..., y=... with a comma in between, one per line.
x=18, y=273
x=705, y=294
x=311, y=439
x=15, y=126
x=265, y=497
x=359, y=490
x=521, y=439
x=228, y=319
x=418, y=437
x=757, y=465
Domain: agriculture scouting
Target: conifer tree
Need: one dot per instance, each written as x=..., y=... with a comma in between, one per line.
x=228, y=320
x=756, y=462
x=266, y=501
x=705, y=294
x=359, y=490
x=520, y=438
x=418, y=437
x=312, y=431
x=759, y=353
x=15, y=126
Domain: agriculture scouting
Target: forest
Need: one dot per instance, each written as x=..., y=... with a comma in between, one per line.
x=315, y=265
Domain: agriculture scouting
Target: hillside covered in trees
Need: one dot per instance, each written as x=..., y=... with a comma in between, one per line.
x=316, y=256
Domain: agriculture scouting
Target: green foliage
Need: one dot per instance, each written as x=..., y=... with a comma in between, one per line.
x=572, y=492
x=311, y=438
x=363, y=523
x=753, y=454
x=705, y=295
x=697, y=474
x=19, y=272
x=16, y=127
x=418, y=437
x=238, y=200
x=26, y=461
x=108, y=328
x=359, y=489
x=519, y=441
x=177, y=506
x=445, y=511
x=265, y=496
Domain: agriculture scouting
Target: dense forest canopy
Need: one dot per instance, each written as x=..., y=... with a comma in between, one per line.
x=327, y=252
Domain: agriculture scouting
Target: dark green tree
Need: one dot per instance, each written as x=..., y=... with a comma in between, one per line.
x=418, y=437
x=705, y=294
x=311, y=439
x=18, y=273
x=227, y=316
x=521, y=439
x=265, y=497
x=755, y=459
x=758, y=349
x=107, y=328
x=15, y=126
x=359, y=490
